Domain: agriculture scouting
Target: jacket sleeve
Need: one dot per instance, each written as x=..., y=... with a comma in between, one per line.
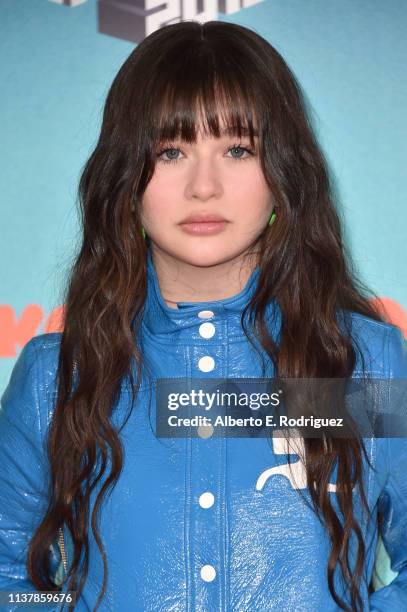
x=392, y=504
x=23, y=473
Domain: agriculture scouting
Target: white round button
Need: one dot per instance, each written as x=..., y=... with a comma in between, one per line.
x=205, y=314
x=206, y=364
x=205, y=431
x=208, y=573
x=206, y=500
x=207, y=330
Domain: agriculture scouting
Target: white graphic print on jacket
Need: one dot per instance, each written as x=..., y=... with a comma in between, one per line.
x=295, y=472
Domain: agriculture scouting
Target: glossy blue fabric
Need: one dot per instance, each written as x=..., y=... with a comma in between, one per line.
x=266, y=548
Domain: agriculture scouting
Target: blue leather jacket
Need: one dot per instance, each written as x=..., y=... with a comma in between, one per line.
x=199, y=523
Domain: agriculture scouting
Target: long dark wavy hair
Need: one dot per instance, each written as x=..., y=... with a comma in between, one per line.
x=232, y=74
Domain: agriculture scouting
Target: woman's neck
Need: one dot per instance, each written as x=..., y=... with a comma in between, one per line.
x=183, y=282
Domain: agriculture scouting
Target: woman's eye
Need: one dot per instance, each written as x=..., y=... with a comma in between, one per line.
x=165, y=151
x=246, y=149
x=169, y=152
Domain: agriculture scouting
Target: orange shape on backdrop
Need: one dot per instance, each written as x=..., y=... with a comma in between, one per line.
x=55, y=321
x=18, y=331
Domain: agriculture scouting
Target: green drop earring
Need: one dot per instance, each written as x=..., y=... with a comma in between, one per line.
x=272, y=218
x=143, y=232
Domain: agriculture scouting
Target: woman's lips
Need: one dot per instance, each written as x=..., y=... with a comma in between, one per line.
x=204, y=228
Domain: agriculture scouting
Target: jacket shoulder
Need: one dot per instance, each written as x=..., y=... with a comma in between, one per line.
x=47, y=348
x=25, y=403
x=46, y=342
x=380, y=344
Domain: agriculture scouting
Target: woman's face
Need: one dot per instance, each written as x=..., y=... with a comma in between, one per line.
x=213, y=176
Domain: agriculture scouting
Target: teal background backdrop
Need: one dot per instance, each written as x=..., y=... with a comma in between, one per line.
x=56, y=68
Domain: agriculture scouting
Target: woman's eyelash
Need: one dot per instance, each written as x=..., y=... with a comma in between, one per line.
x=171, y=147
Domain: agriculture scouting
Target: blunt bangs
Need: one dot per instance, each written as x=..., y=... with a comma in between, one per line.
x=196, y=87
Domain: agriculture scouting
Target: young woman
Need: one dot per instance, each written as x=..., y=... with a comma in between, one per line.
x=202, y=122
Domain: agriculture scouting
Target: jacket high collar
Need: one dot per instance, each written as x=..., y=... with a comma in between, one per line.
x=159, y=318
